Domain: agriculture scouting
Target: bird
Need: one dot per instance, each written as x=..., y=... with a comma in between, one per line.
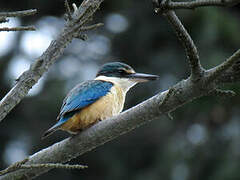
x=98, y=99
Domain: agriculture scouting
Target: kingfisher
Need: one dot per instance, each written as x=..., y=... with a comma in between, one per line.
x=98, y=99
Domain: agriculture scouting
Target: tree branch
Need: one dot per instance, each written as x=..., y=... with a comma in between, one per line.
x=223, y=93
x=171, y=5
x=104, y=131
x=19, y=13
x=214, y=73
x=43, y=63
x=4, y=15
x=94, y=26
x=19, y=28
x=68, y=11
x=45, y=165
x=3, y=20
x=188, y=44
x=232, y=74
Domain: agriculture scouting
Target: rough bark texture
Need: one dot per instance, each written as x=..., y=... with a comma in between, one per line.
x=30, y=77
x=183, y=92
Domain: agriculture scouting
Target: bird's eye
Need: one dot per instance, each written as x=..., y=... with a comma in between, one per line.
x=121, y=71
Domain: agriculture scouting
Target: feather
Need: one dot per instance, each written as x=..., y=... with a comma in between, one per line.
x=78, y=98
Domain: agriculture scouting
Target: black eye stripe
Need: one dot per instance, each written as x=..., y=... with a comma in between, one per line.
x=122, y=71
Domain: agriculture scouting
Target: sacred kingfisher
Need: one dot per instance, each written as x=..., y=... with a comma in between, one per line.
x=98, y=99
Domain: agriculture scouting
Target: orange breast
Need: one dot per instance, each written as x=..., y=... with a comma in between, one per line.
x=105, y=107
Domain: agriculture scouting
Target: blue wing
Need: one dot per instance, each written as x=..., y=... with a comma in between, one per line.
x=81, y=96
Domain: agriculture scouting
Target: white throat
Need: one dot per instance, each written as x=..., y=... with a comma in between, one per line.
x=124, y=83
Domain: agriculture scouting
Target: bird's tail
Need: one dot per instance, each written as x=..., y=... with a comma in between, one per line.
x=50, y=131
x=54, y=127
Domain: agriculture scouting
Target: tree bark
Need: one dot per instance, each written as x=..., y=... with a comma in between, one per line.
x=201, y=82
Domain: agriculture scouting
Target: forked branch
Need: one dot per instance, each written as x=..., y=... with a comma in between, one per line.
x=80, y=17
x=188, y=44
x=183, y=92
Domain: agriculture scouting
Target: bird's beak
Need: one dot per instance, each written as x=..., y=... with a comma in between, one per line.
x=140, y=77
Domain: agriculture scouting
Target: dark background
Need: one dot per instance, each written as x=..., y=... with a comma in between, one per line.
x=200, y=143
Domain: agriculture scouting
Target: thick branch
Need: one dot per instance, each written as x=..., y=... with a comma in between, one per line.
x=101, y=133
x=232, y=74
x=42, y=64
x=104, y=131
x=217, y=72
x=188, y=44
x=183, y=92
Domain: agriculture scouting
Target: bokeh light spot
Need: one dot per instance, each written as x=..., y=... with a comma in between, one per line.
x=16, y=150
x=196, y=134
x=17, y=66
x=116, y=23
x=100, y=45
x=8, y=39
x=34, y=43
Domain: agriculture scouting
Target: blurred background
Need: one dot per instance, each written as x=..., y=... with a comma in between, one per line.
x=201, y=142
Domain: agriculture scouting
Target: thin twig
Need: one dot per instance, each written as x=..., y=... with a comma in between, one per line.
x=81, y=20
x=75, y=9
x=85, y=12
x=3, y=20
x=196, y=4
x=20, y=28
x=19, y=13
x=13, y=167
x=54, y=165
x=187, y=42
x=45, y=165
x=68, y=10
x=223, y=93
x=90, y=27
x=171, y=5
x=84, y=37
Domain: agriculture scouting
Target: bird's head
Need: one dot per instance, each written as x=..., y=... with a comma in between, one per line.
x=123, y=74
